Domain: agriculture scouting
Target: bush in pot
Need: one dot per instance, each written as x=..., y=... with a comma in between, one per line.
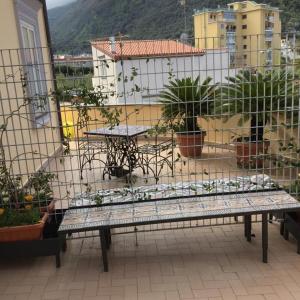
x=184, y=100
x=41, y=194
x=21, y=224
x=19, y=220
x=257, y=97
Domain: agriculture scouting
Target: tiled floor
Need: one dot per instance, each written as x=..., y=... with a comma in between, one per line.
x=200, y=263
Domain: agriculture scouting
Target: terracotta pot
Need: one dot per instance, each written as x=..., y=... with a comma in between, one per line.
x=49, y=208
x=247, y=152
x=191, y=145
x=23, y=232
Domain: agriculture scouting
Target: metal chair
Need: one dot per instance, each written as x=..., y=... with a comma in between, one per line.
x=89, y=149
x=155, y=156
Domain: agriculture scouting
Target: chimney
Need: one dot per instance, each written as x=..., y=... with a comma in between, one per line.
x=112, y=44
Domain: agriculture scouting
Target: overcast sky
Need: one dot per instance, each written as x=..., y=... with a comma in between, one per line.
x=55, y=3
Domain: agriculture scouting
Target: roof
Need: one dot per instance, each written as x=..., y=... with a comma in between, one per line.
x=225, y=9
x=146, y=48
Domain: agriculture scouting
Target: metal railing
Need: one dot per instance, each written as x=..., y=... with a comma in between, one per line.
x=137, y=91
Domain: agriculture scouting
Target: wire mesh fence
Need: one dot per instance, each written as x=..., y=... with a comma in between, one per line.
x=143, y=120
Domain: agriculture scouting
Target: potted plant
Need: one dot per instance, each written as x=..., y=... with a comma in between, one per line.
x=184, y=100
x=19, y=220
x=21, y=224
x=41, y=194
x=256, y=97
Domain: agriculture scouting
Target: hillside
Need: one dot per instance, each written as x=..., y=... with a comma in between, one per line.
x=73, y=25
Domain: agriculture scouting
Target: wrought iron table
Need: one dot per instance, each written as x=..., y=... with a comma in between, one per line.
x=122, y=149
x=105, y=218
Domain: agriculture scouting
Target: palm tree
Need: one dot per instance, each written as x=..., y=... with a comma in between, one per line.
x=184, y=100
x=257, y=96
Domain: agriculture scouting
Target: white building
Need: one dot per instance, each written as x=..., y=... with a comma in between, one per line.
x=289, y=50
x=135, y=71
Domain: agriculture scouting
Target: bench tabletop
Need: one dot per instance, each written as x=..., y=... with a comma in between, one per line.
x=172, y=190
x=160, y=211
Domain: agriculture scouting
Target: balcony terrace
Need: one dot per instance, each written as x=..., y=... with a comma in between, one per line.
x=269, y=34
x=206, y=258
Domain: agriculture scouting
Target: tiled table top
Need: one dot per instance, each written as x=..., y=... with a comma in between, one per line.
x=177, y=209
x=120, y=131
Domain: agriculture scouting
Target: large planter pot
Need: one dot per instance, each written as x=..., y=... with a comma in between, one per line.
x=49, y=208
x=50, y=244
x=191, y=144
x=23, y=232
x=248, y=153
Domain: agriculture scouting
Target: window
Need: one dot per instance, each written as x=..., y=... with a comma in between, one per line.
x=245, y=56
x=245, y=46
x=244, y=37
x=244, y=27
x=231, y=7
x=103, y=70
x=32, y=60
x=244, y=17
x=33, y=65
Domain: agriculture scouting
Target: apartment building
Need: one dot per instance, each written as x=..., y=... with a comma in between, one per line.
x=152, y=62
x=26, y=86
x=250, y=31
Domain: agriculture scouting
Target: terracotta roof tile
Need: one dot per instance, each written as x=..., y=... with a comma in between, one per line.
x=146, y=48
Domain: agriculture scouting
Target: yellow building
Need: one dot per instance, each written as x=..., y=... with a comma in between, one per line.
x=250, y=31
x=32, y=134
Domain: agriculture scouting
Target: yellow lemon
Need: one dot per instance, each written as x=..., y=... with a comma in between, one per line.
x=1, y=211
x=28, y=198
x=28, y=206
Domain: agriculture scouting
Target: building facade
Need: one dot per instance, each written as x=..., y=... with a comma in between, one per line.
x=33, y=132
x=135, y=72
x=250, y=31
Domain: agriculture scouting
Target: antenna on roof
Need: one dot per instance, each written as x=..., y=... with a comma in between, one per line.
x=184, y=38
x=112, y=41
x=183, y=3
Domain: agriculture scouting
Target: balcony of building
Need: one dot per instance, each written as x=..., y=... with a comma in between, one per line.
x=196, y=259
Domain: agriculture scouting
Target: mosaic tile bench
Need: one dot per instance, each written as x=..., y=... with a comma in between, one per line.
x=104, y=218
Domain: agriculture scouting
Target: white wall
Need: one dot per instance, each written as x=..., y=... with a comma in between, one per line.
x=154, y=73
x=104, y=84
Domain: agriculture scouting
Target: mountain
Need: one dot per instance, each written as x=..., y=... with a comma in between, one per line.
x=73, y=25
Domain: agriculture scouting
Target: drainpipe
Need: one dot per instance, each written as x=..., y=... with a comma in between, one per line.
x=47, y=28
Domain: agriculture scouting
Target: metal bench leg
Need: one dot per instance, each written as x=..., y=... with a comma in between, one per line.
x=247, y=224
x=108, y=238
x=281, y=227
x=63, y=242
x=103, y=239
x=57, y=260
x=285, y=233
x=265, y=237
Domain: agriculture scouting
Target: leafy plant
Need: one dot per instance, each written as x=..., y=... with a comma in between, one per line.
x=184, y=100
x=14, y=217
x=257, y=96
x=98, y=199
x=40, y=183
x=294, y=189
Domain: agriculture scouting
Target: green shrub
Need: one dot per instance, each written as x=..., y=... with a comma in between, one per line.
x=13, y=217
